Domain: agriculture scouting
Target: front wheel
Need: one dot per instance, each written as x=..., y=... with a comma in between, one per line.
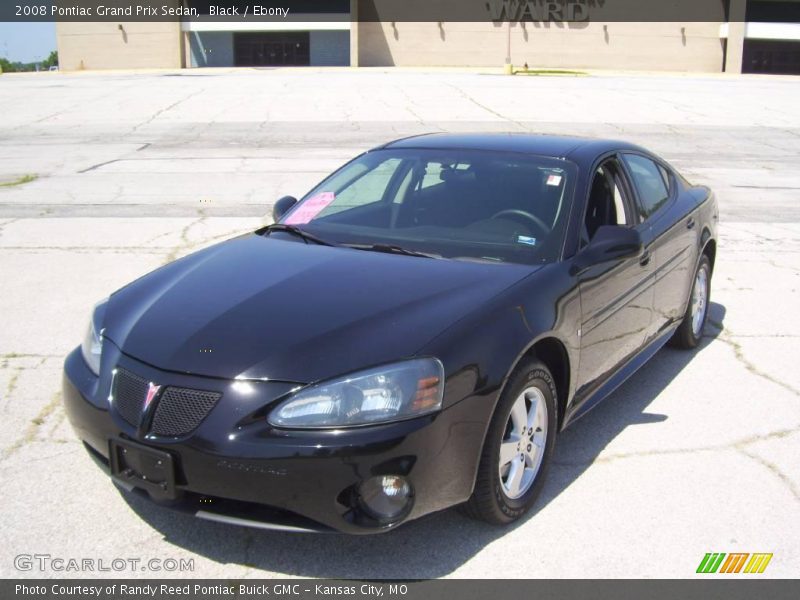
x=517, y=448
x=690, y=331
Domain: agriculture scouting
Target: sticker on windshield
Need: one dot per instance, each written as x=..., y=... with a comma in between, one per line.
x=309, y=209
x=524, y=239
x=554, y=180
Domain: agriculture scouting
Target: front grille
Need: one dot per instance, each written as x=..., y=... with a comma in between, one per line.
x=180, y=410
x=129, y=393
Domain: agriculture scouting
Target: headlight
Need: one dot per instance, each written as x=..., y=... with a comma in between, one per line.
x=390, y=393
x=92, y=345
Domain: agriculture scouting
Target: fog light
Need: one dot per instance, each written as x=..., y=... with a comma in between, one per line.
x=385, y=497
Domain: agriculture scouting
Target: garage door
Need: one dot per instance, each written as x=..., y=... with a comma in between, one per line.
x=761, y=56
x=271, y=49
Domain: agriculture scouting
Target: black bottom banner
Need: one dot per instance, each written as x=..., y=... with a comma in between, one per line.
x=252, y=589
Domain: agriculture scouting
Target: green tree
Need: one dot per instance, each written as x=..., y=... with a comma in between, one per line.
x=50, y=61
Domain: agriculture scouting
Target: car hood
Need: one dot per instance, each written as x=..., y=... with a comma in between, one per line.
x=261, y=307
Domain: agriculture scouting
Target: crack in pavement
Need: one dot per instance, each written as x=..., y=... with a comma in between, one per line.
x=772, y=263
x=739, y=446
x=726, y=336
x=469, y=98
x=227, y=234
x=7, y=222
x=33, y=427
x=775, y=470
x=61, y=452
x=14, y=355
x=735, y=445
x=58, y=419
x=184, y=243
x=99, y=165
x=409, y=107
x=768, y=336
x=166, y=110
x=10, y=387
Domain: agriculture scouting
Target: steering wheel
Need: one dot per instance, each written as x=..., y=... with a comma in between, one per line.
x=531, y=219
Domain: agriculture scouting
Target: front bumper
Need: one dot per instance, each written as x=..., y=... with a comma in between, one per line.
x=248, y=472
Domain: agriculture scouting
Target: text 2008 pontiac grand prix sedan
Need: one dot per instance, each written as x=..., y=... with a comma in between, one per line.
x=409, y=336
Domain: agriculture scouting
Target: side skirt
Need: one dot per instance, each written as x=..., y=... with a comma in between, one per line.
x=619, y=377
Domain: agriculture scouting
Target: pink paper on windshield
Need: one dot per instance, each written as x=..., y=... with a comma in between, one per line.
x=310, y=208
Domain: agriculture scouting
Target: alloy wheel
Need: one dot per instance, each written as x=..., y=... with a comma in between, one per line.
x=523, y=445
x=699, y=301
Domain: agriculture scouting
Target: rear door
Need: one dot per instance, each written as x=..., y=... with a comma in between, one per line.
x=674, y=236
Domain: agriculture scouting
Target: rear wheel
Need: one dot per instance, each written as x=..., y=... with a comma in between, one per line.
x=517, y=448
x=690, y=332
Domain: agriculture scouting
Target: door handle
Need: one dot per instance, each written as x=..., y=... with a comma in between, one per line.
x=690, y=223
x=644, y=259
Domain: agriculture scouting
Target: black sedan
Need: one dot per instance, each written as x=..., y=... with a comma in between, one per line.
x=409, y=336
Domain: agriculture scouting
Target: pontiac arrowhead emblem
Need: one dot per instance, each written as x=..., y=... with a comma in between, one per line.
x=152, y=391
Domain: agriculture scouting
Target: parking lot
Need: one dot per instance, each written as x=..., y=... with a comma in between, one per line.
x=104, y=177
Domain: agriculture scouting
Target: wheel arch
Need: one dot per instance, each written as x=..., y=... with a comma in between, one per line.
x=709, y=246
x=553, y=353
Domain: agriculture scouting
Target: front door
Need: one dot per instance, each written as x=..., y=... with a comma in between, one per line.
x=617, y=296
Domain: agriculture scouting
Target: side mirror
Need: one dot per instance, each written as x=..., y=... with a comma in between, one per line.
x=610, y=242
x=282, y=206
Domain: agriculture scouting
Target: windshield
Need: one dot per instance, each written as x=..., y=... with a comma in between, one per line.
x=459, y=204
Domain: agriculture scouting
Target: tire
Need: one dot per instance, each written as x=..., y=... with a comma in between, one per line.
x=690, y=331
x=500, y=496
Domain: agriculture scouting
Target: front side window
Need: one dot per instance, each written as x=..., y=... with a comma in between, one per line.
x=607, y=204
x=458, y=204
x=651, y=181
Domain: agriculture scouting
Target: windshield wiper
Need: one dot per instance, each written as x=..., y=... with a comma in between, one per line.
x=310, y=237
x=291, y=229
x=390, y=249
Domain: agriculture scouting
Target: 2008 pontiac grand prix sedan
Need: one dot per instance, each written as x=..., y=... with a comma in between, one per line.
x=409, y=336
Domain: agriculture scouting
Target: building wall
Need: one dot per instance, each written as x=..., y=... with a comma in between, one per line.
x=330, y=48
x=211, y=48
x=691, y=46
x=106, y=46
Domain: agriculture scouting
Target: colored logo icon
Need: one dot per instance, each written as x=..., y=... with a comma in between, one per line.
x=737, y=562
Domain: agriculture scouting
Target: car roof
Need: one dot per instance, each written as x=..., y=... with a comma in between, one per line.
x=557, y=146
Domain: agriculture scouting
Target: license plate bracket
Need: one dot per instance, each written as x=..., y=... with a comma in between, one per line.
x=143, y=467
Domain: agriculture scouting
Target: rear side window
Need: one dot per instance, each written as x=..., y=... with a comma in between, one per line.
x=651, y=181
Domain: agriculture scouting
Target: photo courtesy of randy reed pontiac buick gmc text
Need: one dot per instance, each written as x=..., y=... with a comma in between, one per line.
x=198, y=590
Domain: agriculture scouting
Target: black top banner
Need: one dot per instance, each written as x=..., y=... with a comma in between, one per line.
x=541, y=11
